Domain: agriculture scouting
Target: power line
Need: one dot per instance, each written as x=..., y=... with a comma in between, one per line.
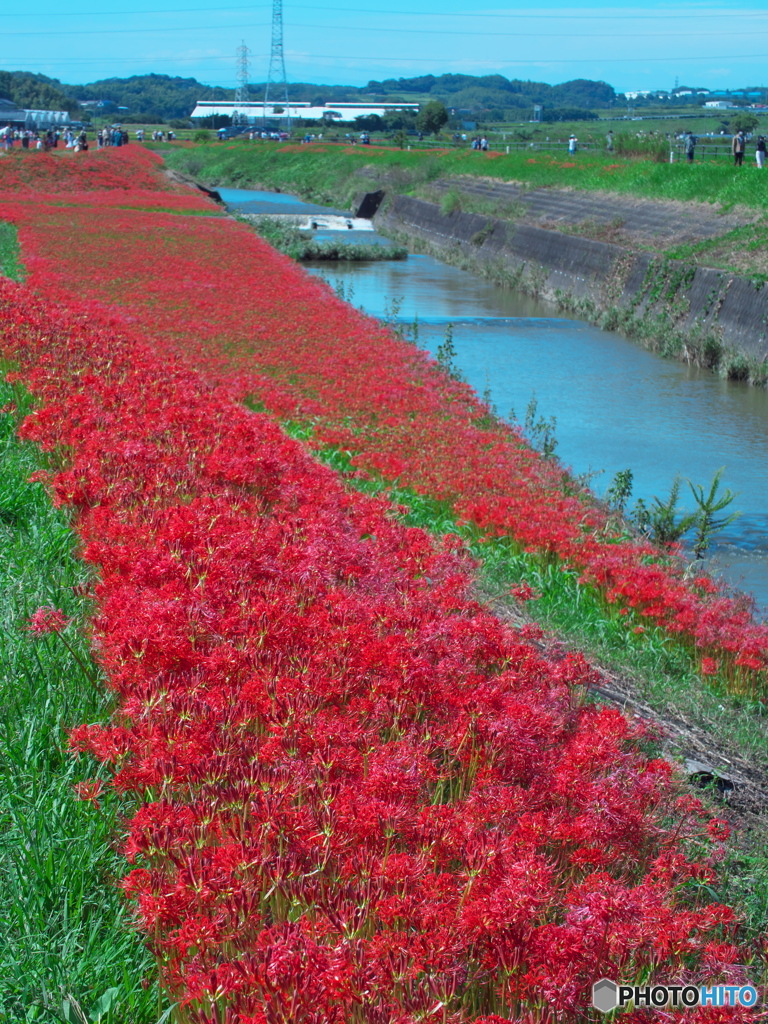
x=137, y=31
x=534, y=16
x=687, y=33
x=398, y=60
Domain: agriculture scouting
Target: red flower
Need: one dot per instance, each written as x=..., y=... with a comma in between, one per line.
x=718, y=829
x=89, y=791
x=47, y=620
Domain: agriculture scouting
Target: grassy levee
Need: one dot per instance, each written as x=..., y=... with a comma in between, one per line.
x=660, y=672
x=335, y=174
x=331, y=173
x=68, y=950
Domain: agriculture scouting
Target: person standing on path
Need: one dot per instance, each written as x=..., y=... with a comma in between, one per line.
x=690, y=146
x=760, y=151
x=738, y=145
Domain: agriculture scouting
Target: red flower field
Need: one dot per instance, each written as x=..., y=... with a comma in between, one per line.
x=356, y=794
x=362, y=796
x=211, y=291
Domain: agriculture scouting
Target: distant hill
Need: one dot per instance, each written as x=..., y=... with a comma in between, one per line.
x=155, y=98
x=495, y=92
x=35, y=92
x=162, y=97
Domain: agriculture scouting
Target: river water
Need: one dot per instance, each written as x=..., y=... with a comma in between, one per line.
x=616, y=406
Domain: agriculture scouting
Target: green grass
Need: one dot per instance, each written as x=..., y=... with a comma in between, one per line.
x=748, y=243
x=66, y=936
x=10, y=254
x=333, y=174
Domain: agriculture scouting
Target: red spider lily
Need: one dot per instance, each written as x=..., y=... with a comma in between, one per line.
x=312, y=356
x=89, y=791
x=47, y=620
x=362, y=796
x=718, y=829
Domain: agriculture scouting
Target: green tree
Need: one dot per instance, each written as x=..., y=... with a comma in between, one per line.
x=661, y=521
x=707, y=521
x=744, y=123
x=432, y=117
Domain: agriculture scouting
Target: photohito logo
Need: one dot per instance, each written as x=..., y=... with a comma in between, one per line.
x=607, y=995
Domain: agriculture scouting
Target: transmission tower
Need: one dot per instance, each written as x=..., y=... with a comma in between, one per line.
x=241, y=92
x=276, y=80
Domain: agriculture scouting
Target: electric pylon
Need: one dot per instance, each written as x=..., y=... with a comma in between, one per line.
x=276, y=79
x=241, y=92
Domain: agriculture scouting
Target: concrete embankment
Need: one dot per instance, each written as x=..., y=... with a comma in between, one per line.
x=714, y=317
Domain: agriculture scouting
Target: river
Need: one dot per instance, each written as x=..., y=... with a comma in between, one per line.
x=616, y=406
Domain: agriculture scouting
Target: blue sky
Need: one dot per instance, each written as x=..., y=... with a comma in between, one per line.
x=638, y=47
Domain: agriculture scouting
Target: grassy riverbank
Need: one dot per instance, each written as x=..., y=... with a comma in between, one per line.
x=328, y=174
x=67, y=944
x=335, y=175
x=305, y=699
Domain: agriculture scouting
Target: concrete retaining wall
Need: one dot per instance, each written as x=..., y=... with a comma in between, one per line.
x=555, y=264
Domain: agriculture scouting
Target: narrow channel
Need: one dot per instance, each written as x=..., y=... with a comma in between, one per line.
x=617, y=406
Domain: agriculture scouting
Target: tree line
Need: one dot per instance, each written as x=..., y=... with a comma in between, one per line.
x=161, y=98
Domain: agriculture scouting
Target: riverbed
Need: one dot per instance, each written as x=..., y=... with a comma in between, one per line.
x=616, y=405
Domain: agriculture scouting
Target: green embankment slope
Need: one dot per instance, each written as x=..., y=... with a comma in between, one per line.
x=330, y=172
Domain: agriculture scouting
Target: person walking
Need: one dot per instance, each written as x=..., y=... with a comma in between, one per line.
x=609, y=141
x=690, y=146
x=738, y=145
x=760, y=151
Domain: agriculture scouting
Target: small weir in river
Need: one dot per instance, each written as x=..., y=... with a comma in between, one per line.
x=617, y=406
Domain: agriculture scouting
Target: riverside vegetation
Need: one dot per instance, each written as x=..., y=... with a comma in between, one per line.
x=301, y=245
x=68, y=948
x=334, y=174
x=330, y=173
x=335, y=761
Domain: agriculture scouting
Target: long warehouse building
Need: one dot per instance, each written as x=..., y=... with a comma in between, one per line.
x=336, y=112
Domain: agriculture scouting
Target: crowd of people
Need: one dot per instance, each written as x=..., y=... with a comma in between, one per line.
x=50, y=139
x=69, y=138
x=739, y=143
x=116, y=135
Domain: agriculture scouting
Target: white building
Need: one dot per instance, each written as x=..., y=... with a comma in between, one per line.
x=39, y=120
x=253, y=112
x=720, y=105
x=31, y=120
